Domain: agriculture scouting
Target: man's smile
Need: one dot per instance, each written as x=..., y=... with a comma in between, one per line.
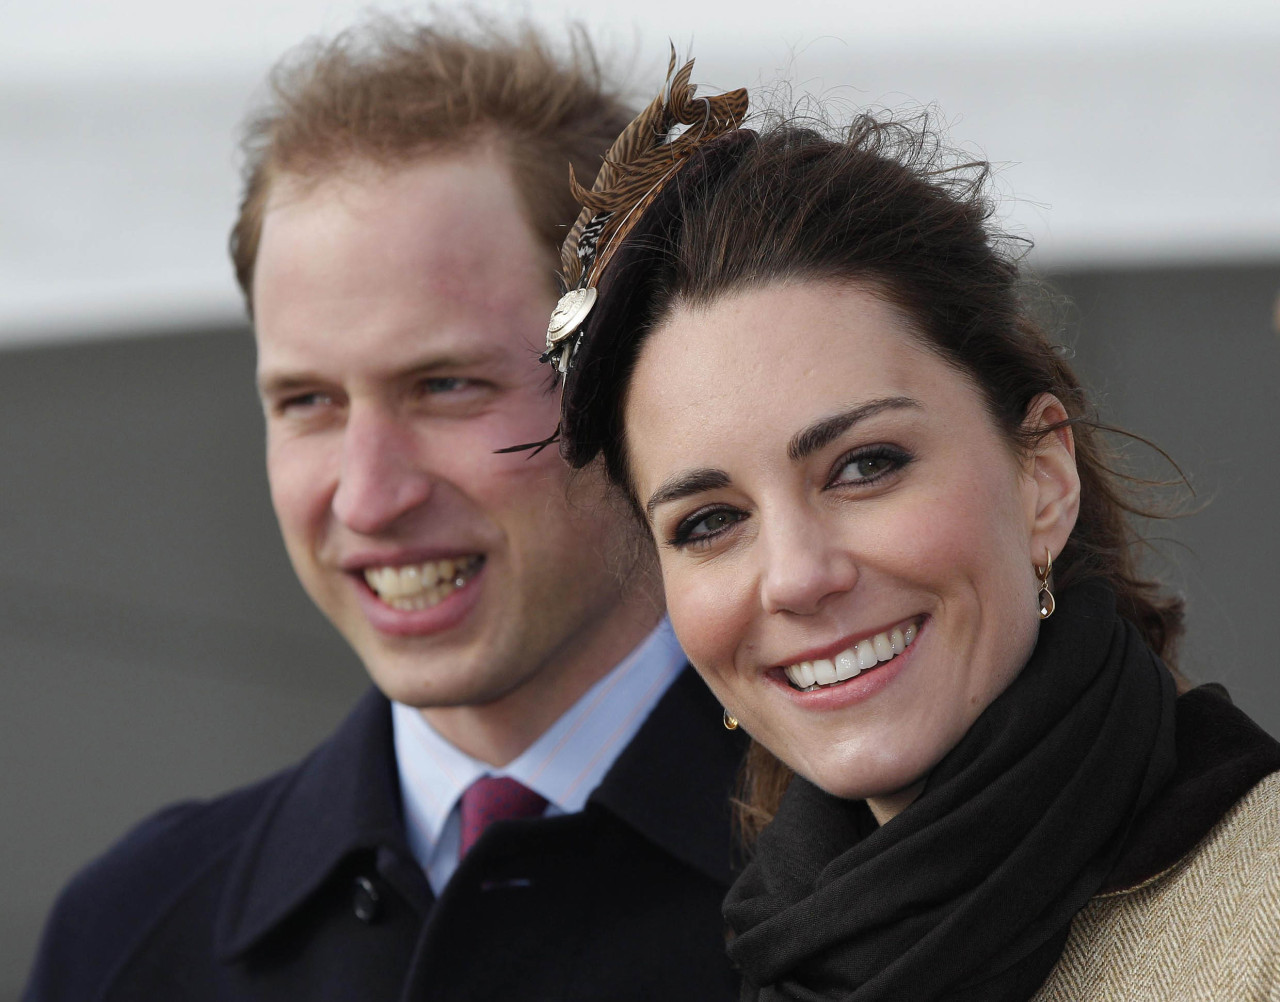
x=411, y=587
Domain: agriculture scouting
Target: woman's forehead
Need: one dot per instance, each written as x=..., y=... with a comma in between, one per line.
x=765, y=352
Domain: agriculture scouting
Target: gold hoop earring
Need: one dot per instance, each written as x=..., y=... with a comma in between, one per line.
x=730, y=721
x=1045, y=597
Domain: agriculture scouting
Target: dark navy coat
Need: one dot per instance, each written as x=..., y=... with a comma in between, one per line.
x=303, y=887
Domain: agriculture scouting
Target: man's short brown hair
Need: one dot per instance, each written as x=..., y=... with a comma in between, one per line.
x=390, y=91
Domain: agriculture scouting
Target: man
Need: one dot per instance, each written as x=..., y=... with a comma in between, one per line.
x=404, y=199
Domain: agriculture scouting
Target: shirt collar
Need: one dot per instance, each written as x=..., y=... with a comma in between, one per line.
x=564, y=765
x=670, y=784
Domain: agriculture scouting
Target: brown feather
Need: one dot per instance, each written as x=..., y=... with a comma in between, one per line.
x=638, y=163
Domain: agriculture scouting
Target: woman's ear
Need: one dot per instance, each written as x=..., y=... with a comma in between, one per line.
x=1055, y=481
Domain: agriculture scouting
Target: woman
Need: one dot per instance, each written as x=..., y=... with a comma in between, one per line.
x=892, y=545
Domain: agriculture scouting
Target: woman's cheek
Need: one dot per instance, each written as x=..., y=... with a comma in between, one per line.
x=708, y=620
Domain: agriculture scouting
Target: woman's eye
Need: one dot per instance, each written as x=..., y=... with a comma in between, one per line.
x=703, y=526
x=869, y=465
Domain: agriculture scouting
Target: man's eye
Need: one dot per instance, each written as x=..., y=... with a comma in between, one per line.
x=305, y=401
x=445, y=384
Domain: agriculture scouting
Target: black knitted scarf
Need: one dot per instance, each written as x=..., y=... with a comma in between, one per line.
x=968, y=894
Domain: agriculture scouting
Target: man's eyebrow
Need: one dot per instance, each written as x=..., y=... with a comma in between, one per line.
x=684, y=484
x=275, y=383
x=817, y=435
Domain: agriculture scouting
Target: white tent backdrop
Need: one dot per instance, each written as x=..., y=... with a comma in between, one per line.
x=1131, y=131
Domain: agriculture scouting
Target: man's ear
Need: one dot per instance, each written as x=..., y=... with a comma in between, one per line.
x=1055, y=480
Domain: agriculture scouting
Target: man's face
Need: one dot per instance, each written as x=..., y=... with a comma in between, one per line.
x=399, y=317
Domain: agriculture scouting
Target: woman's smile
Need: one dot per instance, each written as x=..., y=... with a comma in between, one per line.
x=854, y=657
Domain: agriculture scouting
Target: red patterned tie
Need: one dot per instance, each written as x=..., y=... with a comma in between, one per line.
x=495, y=798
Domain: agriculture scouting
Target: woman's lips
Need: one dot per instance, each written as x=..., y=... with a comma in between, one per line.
x=864, y=655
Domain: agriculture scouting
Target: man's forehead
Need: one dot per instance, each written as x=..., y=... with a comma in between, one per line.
x=472, y=187
x=433, y=258
x=454, y=222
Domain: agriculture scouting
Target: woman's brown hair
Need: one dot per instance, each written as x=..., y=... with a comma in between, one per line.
x=884, y=205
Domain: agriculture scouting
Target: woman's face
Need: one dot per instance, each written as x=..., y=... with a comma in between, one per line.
x=847, y=540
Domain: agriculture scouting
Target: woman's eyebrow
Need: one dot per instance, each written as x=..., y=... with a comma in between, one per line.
x=817, y=435
x=683, y=484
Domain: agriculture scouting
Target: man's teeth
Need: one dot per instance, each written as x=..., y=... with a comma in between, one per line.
x=858, y=658
x=420, y=586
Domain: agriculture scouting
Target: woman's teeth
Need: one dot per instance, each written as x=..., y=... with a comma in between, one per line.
x=419, y=586
x=863, y=655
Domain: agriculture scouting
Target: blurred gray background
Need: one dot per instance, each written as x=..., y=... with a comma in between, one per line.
x=154, y=644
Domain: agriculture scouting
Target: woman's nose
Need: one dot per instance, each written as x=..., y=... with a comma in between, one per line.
x=381, y=477
x=805, y=564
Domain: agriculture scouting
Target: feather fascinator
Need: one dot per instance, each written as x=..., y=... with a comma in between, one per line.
x=649, y=153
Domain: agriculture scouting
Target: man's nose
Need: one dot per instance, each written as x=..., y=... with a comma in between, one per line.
x=804, y=565
x=382, y=476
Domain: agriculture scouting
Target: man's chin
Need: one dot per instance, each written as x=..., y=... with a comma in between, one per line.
x=434, y=694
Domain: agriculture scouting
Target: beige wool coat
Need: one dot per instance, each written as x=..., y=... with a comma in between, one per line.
x=1206, y=929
